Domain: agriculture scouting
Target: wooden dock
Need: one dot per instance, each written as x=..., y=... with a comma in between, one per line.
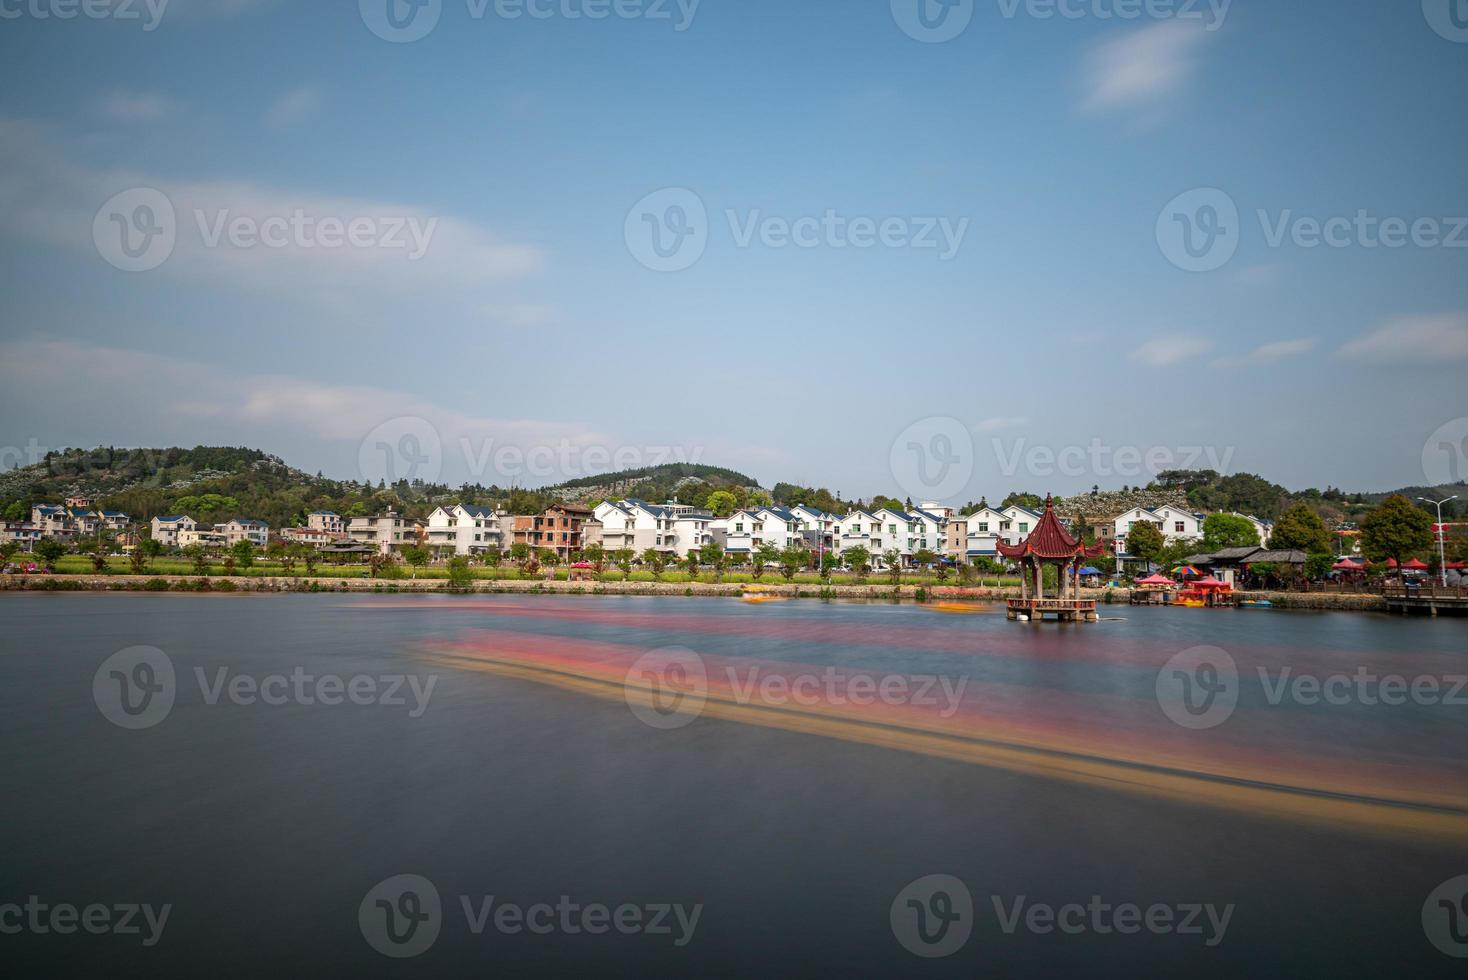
x=1064, y=610
x=1433, y=600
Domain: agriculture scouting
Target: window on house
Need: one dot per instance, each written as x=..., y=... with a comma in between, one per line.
x=1024, y=526
x=1179, y=527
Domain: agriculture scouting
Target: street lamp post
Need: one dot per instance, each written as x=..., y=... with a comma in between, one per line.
x=1442, y=536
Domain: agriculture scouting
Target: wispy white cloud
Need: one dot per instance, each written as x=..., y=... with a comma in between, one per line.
x=136, y=106
x=318, y=420
x=1434, y=339
x=44, y=196
x=1270, y=353
x=1170, y=350
x=296, y=107
x=1145, y=69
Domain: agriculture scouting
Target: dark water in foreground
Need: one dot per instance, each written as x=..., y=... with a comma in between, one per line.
x=264, y=827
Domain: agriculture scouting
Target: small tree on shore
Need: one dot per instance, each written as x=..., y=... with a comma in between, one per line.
x=859, y=560
x=461, y=576
x=792, y=560
x=1397, y=529
x=49, y=550
x=243, y=553
x=765, y=555
x=892, y=561
x=416, y=557
x=712, y=555
x=690, y=565
x=199, y=558
x=1144, y=541
x=624, y=558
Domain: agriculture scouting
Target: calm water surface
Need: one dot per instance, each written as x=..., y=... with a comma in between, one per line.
x=264, y=826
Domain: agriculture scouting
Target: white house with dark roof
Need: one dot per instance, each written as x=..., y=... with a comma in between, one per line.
x=692, y=529
x=465, y=529
x=638, y=525
x=817, y=526
x=165, y=529
x=740, y=531
x=240, y=529
x=857, y=528
x=328, y=521
x=931, y=530
x=985, y=527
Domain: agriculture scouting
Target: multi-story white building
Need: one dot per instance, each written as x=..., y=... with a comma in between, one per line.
x=1174, y=523
x=817, y=526
x=638, y=525
x=931, y=530
x=314, y=537
x=464, y=529
x=208, y=536
x=328, y=521
x=692, y=529
x=984, y=529
x=387, y=533
x=237, y=530
x=22, y=533
x=165, y=529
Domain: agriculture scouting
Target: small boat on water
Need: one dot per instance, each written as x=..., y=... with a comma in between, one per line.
x=1256, y=604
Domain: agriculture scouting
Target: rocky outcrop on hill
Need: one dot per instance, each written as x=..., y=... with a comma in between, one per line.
x=1110, y=503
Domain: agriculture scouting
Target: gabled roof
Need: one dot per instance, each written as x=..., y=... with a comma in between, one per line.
x=930, y=516
x=174, y=519
x=1050, y=541
x=473, y=510
x=324, y=513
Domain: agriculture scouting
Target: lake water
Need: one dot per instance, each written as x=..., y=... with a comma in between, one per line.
x=790, y=773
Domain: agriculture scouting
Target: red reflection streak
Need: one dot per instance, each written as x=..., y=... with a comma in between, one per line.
x=1030, y=643
x=1096, y=725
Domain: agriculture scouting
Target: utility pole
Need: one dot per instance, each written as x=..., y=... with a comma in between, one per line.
x=1442, y=535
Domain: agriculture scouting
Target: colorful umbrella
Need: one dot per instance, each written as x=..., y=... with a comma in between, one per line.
x=1186, y=570
x=1416, y=564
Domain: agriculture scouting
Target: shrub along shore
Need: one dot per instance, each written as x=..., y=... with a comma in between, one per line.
x=871, y=591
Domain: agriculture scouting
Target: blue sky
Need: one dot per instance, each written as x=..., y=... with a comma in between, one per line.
x=1061, y=318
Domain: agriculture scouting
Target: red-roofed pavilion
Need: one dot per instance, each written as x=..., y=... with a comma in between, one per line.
x=1051, y=544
